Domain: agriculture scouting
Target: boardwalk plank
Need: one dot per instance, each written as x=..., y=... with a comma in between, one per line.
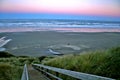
x=35, y=75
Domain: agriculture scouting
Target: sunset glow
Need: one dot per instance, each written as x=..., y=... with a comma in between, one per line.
x=86, y=7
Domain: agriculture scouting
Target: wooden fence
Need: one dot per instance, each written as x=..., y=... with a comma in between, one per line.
x=25, y=73
x=77, y=75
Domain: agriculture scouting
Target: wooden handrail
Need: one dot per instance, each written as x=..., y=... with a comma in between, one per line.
x=74, y=74
x=25, y=73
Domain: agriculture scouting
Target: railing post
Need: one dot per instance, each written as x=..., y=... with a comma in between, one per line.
x=47, y=71
x=42, y=71
x=57, y=74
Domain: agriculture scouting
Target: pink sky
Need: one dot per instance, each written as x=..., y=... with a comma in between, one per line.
x=87, y=7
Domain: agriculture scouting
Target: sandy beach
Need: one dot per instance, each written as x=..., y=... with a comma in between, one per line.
x=38, y=43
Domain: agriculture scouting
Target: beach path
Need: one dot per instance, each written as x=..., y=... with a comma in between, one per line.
x=35, y=75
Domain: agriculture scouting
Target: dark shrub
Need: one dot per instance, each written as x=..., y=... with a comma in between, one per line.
x=5, y=55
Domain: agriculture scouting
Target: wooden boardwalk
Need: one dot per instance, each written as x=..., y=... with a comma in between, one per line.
x=35, y=75
x=76, y=75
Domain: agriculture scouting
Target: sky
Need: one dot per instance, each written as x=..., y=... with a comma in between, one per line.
x=61, y=9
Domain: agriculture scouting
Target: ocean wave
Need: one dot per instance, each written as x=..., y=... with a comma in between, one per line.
x=56, y=23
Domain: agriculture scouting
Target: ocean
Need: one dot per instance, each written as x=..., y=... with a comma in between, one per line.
x=37, y=23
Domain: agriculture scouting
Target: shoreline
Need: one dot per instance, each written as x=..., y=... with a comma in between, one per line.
x=65, y=29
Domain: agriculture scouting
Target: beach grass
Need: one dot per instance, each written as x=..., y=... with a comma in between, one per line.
x=10, y=72
x=103, y=63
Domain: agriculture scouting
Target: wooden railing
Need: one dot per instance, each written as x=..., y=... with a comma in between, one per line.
x=77, y=75
x=25, y=73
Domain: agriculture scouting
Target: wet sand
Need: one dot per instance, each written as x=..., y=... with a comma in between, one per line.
x=38, y=43
x=61, y=29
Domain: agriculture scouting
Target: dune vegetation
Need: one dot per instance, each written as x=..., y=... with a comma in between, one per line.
x=104, y=63
x=11, y=66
